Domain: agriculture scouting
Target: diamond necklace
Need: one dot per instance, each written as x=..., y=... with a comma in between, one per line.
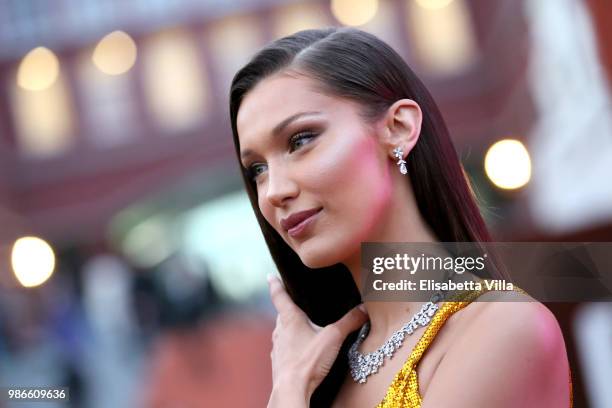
x=363, y=366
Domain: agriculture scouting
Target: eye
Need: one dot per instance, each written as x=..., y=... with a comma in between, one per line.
x=295, y=142
x=254, y=170
x=298, y=138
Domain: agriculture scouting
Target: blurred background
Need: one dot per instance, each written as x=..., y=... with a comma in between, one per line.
x=132, y=269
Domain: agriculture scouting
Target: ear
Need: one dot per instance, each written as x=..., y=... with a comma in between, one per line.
x=401, y=127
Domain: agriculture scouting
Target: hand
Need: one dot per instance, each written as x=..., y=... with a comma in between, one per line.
x=302, y=352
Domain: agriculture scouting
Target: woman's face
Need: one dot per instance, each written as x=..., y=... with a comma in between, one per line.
x=311, y=151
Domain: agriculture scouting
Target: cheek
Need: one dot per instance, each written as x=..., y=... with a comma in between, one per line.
x=358, y=184
x=267, y=211
x=370, y=197
x=345, y=159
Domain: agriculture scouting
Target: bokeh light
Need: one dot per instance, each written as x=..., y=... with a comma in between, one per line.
x=354, y=12
x=38, y=70
x=175, y=81
x=444, y=39
x=433, y=4
x=295, y=17
x=33, y=261
x=507, y=164
x=115, y=54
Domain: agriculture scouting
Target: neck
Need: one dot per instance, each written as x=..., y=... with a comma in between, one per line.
x=404, y=224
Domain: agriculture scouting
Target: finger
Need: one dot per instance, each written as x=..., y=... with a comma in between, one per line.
x=280, y=298
x=350, y=322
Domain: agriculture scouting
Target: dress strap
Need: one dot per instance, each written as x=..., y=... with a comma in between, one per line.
x=447, y=310
x=404, y=390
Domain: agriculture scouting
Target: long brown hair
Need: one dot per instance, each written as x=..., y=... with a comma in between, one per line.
x=356, y=65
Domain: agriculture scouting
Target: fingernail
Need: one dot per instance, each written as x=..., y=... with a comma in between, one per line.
x=362, y=308
x=270, y=277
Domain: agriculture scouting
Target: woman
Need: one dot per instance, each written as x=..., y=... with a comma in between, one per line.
x=340, y=143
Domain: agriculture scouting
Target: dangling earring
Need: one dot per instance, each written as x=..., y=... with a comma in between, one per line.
x=401, y=162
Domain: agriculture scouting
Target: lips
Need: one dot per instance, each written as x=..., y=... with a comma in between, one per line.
x=295, y=218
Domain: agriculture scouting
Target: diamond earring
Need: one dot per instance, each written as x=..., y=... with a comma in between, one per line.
x=401, y=162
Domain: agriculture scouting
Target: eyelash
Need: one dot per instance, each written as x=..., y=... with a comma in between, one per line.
x=296, y=137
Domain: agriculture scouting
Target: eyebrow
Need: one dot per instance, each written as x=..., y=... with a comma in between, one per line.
x=280, y=127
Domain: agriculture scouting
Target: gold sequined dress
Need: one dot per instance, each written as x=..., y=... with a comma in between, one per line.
x=404, y=390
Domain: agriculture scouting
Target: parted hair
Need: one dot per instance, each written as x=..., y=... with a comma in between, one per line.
x=353, y=64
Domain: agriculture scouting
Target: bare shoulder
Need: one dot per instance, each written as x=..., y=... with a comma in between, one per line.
x=516, y=322
x=511, y=349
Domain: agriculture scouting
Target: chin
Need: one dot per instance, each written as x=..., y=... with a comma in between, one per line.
x=315, y=262
x=319, y=255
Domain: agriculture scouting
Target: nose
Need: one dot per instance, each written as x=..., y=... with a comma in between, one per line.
x=281, y=187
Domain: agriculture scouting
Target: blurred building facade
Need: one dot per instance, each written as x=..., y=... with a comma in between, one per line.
x=114, y=125
x=93, y=142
